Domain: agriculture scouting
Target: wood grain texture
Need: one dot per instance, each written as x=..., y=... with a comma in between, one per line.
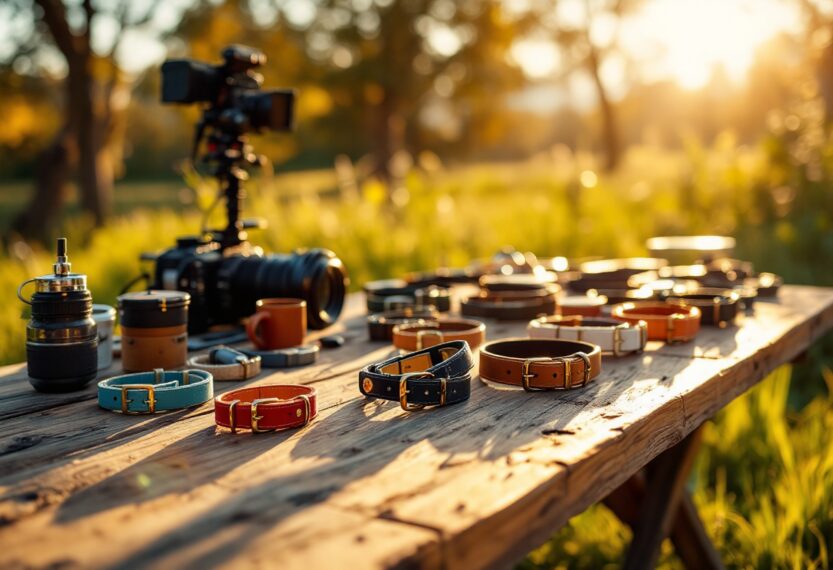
x=473, y=485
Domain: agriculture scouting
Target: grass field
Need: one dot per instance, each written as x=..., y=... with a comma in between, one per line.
x=764, y=481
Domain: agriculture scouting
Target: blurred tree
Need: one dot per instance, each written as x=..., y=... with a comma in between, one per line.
x=587, y=42
x=398, y=69
x=819, y=37
x=96, y=94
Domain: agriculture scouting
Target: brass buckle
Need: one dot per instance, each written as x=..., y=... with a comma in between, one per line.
x=617, y=339
x=245, y=363
x=125, y=401
x=403, y=390
x=428, y=332
x=232, y=417
x=256, y=418
x=587, y=368
x=669, y=333
x=307, y=409
x=526, y=374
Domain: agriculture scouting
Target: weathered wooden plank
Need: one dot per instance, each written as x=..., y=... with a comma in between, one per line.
x=486, y=480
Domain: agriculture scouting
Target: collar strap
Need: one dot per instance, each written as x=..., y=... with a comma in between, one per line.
x=612, y=336
x=718, y=307
x=266, y=408
x=380, y=325
x=435, y=376
x=285, y=357
x=160, y=390
x=409, y=297
x=510, y=305
x=539, y=364
x=226, y=363
x=416, y=336
x=666, y=322
x=583, y=305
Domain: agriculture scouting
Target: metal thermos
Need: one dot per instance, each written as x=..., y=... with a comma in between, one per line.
x=61, y=336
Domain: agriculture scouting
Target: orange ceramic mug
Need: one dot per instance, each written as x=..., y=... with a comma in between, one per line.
x=278, y=323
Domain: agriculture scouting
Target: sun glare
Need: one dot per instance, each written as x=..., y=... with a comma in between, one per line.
x=681, y=40
x=686, y=40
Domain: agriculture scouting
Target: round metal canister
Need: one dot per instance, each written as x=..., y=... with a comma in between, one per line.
x=105, y=320
x=154, y=330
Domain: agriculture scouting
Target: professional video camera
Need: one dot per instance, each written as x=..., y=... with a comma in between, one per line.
x=222, y=271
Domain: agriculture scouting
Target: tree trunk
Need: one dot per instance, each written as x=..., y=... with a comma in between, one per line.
x=54, y=164
x=610, y=132
x=382, y=151
x=95, y=173
x=825, y=78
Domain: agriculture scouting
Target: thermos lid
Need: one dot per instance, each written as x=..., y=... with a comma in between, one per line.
x=154, y=300
x=152, y=309
x=62, y=280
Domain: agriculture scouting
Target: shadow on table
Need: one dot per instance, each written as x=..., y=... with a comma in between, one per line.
x=356, y=440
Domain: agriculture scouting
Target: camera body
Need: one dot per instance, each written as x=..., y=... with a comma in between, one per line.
x=232, y=89
x=224, y=274
x=225, y=283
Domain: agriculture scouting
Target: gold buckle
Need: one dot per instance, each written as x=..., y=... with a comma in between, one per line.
x=587, y=368
x=245, y=363
x=429, y=332
x=526, y=374
x=307, y=409
x=232, y=418
x=403, y=390
x=669, y=334
x=125, y=401
x=617, y=339
x=256, y=418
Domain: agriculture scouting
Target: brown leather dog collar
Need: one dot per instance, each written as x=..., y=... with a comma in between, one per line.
x=266, y=408
x=416, y=336
x=510, y=305
x=540, y=364
x=671, y=323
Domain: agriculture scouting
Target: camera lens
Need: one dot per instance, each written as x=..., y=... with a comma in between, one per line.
x=315, y=275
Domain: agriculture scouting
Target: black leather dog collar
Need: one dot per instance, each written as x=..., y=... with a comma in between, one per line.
x=436, y=376
x=380, y=325
x=719, y=307
x=392, y=294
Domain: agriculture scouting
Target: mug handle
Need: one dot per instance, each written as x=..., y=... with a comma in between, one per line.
x=252, y=327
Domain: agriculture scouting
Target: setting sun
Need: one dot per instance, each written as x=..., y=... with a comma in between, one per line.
x=686, y=40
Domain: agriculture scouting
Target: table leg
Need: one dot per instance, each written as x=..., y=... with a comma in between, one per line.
x=667, y=510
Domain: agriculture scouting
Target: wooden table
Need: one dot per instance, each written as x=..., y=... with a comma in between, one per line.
x=367, y=485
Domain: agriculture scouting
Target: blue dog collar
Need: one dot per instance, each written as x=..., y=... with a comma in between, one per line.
x=157, y=391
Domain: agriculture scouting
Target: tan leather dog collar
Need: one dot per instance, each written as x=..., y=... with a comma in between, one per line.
x=538, y=364
x=266, y=408
x=612, y=336
x=671, y=323
x=226, y=363
x=416, y=336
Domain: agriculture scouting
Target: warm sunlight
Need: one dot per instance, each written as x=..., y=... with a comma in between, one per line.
x=686, y=39
x=682, y=40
